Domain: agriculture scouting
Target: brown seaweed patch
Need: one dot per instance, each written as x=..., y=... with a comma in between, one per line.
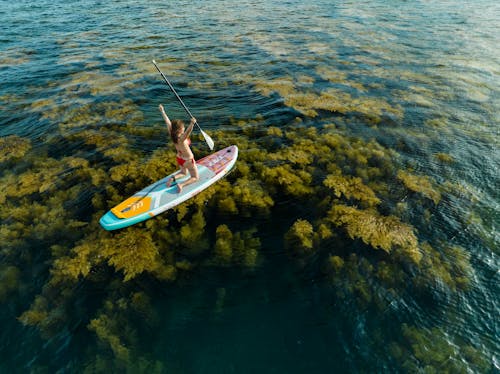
x=9, y=281
x=295, y=155
x=239, y=248
x=43, y=105
x=206, y=85
x=366, y=105
x=444, y=158
x=305, y=80
x=421, y=184
x=114, y=332
x=418, y=99
x=96, y=115
x=300, y=236
x=132, y=251
x=12, y=237
x=43, y=175
x=31, y=181
x=11, y=99
x=339, y=77
x=423, y=96
x=274, y=131
x=334, y=76
x=192, y=235
x=246, y=198
x=351, y=278
x=309, y=102
x=292, y=182
x=13, y=147
x=43, y=314
x=319, y=48
x=14, y=57
x=451, y=265
x=384, y=232
x=12, y=61
x=37, y=313
x=333, y=100
x=438, y=123
x=433, y=350
x=35, y=221
x=109, y=330
x=283, y=87
x=351, y=187
x=96, y=83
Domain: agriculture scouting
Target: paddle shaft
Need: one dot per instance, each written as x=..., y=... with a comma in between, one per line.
x=208, y=139
x=175, y=93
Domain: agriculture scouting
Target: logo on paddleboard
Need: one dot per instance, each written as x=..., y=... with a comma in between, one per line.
x=132, y=206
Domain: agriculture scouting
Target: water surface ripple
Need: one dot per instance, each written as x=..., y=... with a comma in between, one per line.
x=420, y=78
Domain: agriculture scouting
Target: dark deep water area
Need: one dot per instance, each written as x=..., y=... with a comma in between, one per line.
x=358, y=231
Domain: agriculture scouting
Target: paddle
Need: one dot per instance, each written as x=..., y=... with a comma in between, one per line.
x=208, y=139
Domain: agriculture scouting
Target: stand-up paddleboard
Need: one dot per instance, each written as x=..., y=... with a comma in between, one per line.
x=157, y=198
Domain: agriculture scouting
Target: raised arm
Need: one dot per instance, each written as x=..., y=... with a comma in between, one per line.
x=189, y=129
x=165, y=117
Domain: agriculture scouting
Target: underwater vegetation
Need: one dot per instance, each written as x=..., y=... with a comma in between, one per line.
x=337, y=202
x=298, y=94
x=13, y=147
x=428, y=349
x=420, y=184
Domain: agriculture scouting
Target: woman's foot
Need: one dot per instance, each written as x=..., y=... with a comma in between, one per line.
x=179, y=188
x=171, y=181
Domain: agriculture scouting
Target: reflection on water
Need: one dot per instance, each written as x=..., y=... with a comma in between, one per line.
x=358, y=231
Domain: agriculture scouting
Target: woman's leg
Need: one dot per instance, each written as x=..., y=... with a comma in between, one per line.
x=181, y=174
x=193, y=172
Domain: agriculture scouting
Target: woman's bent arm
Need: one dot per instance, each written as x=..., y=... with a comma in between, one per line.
x=189, y=130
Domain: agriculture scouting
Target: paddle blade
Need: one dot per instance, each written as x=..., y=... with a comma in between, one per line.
x=208, y=139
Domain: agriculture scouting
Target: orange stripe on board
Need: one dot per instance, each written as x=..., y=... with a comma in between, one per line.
x=132, y=206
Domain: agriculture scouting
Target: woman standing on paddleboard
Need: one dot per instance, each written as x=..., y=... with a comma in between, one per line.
x=185, y=157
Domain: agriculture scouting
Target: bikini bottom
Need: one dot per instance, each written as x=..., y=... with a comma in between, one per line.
x=181, y=161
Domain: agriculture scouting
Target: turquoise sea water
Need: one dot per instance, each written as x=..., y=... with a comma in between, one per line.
x=421, y=78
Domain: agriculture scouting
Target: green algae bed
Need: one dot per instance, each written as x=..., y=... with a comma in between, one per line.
x=338, y=203
x=358, y=231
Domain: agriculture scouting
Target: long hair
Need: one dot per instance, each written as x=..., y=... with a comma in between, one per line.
x=177, y=126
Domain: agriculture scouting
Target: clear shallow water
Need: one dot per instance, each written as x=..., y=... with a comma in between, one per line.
x=430, y=73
